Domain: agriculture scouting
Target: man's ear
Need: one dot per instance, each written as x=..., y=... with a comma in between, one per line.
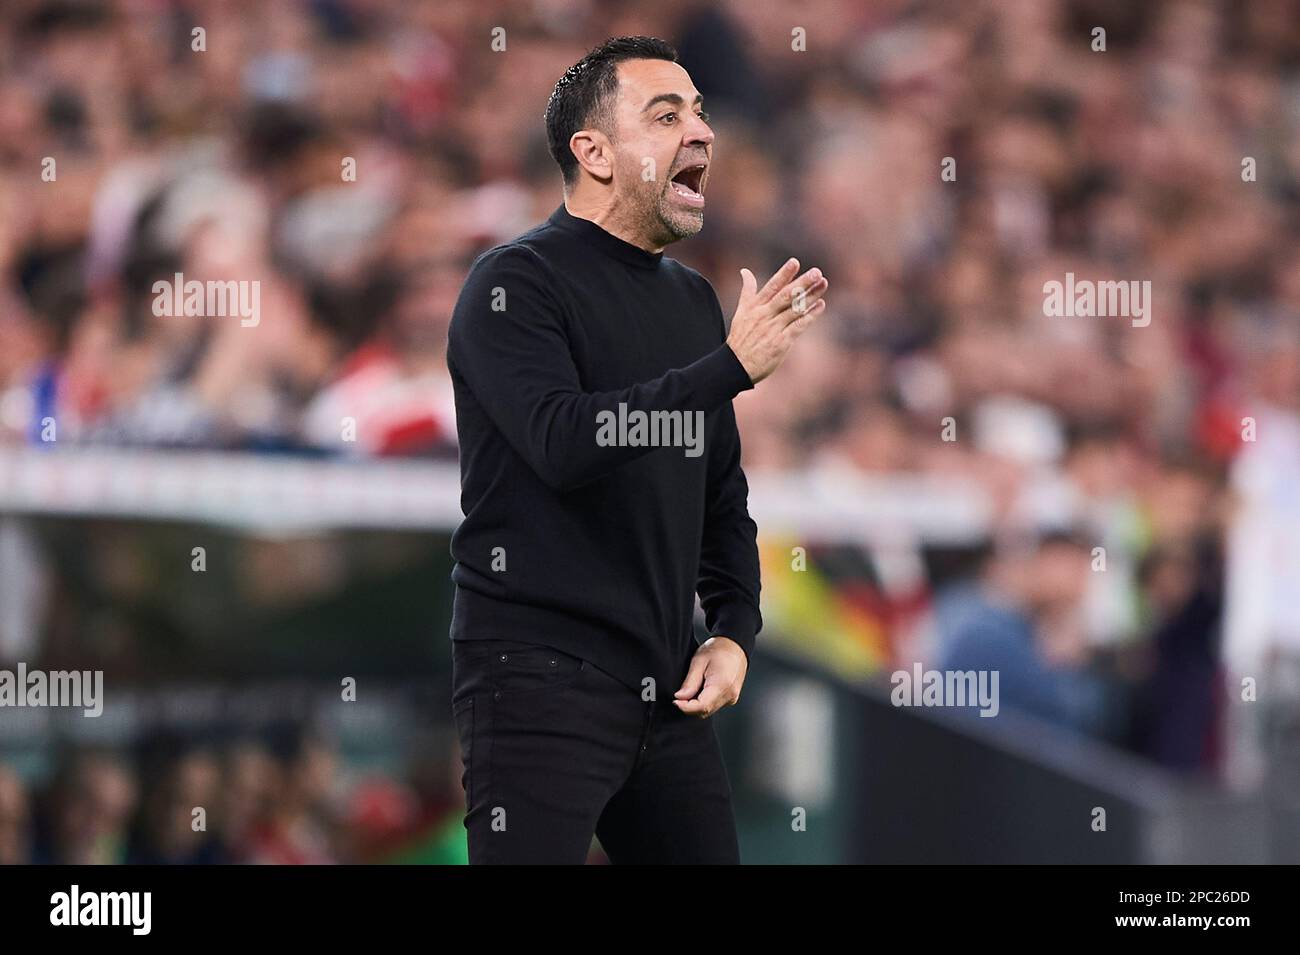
x=594, y=153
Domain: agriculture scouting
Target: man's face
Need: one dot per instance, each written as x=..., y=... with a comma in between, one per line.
x=660, y=135
x=1060, y=574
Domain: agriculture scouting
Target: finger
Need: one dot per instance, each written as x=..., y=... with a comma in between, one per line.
x=711, y=699
x=802, y=299
x=694, y=678
x=780, y=278
x=801, y=322
x=782, y=299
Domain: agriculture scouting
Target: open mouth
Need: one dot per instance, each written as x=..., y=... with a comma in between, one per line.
x=689, y=183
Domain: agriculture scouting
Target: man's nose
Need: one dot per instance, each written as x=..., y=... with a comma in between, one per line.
x=699, y=132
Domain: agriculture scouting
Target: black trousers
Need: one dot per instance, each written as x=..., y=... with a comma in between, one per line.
x=556, y=749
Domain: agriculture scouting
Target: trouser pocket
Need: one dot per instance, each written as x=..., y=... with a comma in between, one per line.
x=462, y=714
x=521, y=669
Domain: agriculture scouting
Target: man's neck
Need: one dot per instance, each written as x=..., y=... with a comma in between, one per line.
x=607, y=214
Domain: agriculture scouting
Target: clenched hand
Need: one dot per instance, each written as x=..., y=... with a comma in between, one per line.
x=714, y=679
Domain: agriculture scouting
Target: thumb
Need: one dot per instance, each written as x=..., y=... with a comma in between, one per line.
x=694, y=677
x=748, y=284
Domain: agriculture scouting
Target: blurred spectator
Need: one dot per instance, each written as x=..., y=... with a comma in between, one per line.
x=300, y=826
x=1024, y=622
x=85, y=812
x=15, y=832
x=169, y=831
x=1175, y=722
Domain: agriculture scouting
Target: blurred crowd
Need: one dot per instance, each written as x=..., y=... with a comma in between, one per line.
x=283, y=797
x=940, y=161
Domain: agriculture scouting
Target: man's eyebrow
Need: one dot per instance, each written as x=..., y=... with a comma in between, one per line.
x=673, y=98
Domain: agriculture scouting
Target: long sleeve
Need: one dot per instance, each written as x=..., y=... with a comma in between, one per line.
x=729, y=582
x=516, y=360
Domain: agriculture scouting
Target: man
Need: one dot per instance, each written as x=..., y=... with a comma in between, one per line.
x=602, y=490
x=1024, y=622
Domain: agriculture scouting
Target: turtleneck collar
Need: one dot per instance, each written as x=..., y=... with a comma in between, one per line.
x=607, y=242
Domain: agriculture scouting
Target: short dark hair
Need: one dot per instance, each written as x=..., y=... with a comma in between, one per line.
x=582, y=96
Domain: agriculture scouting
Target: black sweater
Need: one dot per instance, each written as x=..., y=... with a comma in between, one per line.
x=593, y=548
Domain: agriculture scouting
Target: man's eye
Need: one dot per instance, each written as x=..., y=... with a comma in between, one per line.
x=703, y=115
x=667, y=116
